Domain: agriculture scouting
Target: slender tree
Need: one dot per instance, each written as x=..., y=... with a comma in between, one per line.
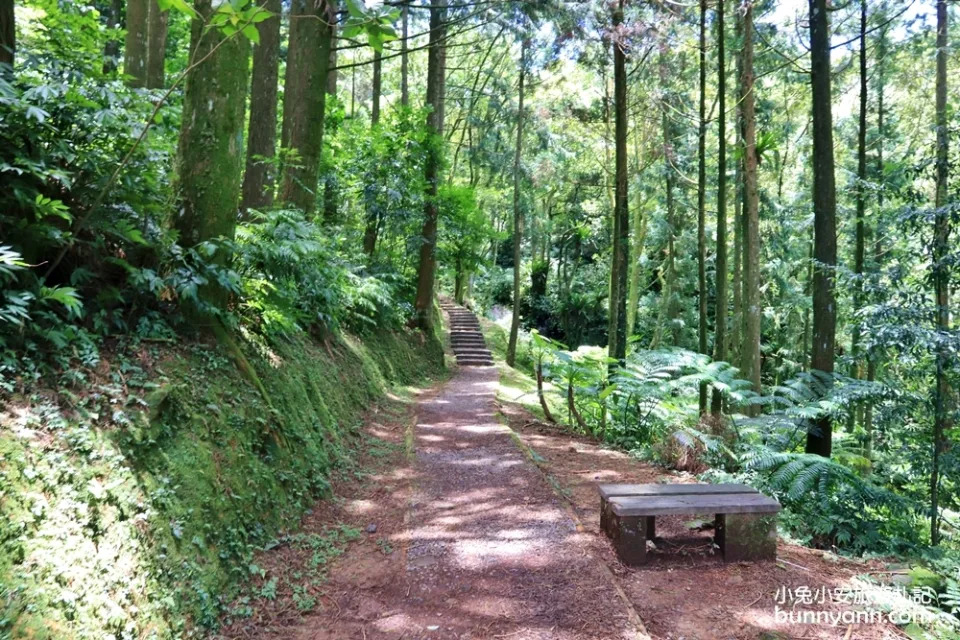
x=702, y=200
x=377, y=88
x=517, y=208
x=157, y=20
x=860, y=242
x=8, y=32
x=621, y=213
x=720, y=334
x=330, y=185
x=259, y=178
x=750, y=346
x=941, y=271
x=404, y=63
x=210, y=156
x=436, y=64
x=304, y=99
x=820, y=437
x=373, y=218
x=136, y=45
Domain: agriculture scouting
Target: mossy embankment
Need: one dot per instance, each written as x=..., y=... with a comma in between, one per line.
x=132, y=500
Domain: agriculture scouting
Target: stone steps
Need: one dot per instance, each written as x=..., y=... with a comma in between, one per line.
x=467, y=341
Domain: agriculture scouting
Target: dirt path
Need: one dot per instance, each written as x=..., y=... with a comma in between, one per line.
x=492, y=552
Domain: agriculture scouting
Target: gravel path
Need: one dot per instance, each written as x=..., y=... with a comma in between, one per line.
x=491, y=550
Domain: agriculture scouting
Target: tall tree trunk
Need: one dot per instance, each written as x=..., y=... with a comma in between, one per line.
x=377, y=76
x=517, y=210
x=621, y=213
x=111, y=51
x=135, y=47
x=750, y=347
x=404, y=87
x=372, y=217
x=861, y=208
x=157, y=20
x=720, y=335
x=877, y=245
x=941, y=270
x=428, y=247
x=702, y=201
x=330, y=184
x=8, y=32
x=259, y=178
x=820, y=438
x=210, y=154
x=304, y=98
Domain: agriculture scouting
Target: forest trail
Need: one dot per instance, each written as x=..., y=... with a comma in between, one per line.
x=481, y=523
x=492, y=550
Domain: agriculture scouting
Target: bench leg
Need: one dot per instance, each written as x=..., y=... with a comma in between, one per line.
x=605, y=516
x=629, y=534
x=747, y=536
x=651, y=527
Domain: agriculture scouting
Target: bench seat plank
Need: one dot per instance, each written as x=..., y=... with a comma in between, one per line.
x=693, y=504
x=611, y=490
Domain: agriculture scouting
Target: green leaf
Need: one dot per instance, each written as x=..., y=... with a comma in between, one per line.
x=251, y=33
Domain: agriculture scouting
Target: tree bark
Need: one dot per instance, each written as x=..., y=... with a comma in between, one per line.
x=157, y=22
x=820, y=438
x=941, y=272
x=135, y=47
x=517, y=211
x=372, y=217
x=720, y=335
x=304, y=99
x=259, y=178
x=8, y=32
x=702, y=201
x=861, y=210
x=750, y=347
x=377, y=76
x=210, y=154
x=435, y=78
x=404, y=87
x=331, y=196
x=621, y=213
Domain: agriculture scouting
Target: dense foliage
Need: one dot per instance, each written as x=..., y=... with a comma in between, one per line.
x=602, y=161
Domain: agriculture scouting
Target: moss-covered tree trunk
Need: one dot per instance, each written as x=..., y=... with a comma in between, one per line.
x=135, y=46
x=426, y=270
x=304, y=98
x=819, y=439
x=157, y=23
x=210, y=154
x=259, y=178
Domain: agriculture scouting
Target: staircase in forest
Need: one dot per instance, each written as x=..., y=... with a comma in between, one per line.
x=466, y=338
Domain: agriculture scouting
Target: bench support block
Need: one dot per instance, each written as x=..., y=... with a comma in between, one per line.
x=747, y=536
x=629, y=535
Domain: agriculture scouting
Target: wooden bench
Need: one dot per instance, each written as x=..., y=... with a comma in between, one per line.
x=745, y=520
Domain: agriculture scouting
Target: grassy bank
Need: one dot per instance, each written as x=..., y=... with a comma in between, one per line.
x=132, y=500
